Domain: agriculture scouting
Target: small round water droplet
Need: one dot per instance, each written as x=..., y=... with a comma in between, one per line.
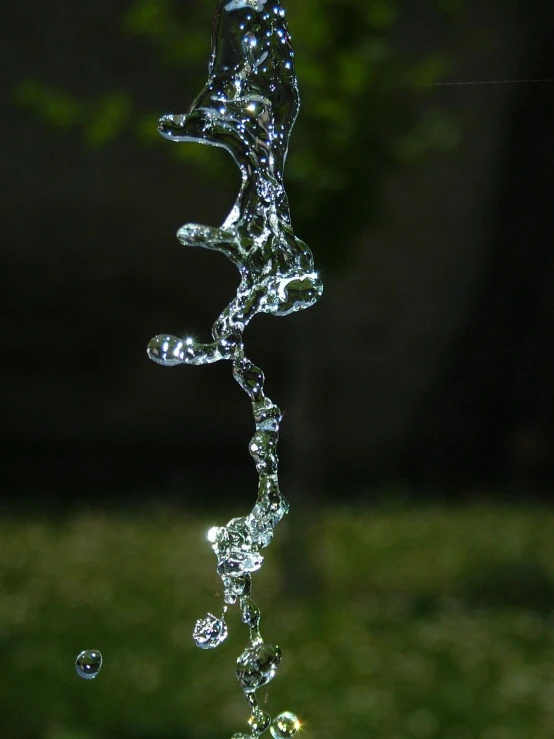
x=209, y=632
x=284, y=726
x=88, y=664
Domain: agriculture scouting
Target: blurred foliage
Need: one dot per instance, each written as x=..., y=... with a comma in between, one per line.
x=398, y=643
x=100, y=121
x=359, y=118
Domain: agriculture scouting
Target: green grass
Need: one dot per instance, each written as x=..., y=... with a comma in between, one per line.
x=424, y=623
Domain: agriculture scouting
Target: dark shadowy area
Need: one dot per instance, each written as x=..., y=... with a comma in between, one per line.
x=491, y=411
x=428, y=364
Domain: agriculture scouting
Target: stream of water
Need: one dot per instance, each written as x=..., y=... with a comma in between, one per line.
x=248, y=107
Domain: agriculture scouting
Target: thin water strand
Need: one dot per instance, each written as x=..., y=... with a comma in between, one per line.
x=248, y=107
x=473, y=83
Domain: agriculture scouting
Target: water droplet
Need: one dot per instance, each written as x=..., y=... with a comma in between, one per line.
x=250, y=40
x=209, y=632
x=237, y=553
x=267, y=416
x=88, y=664
x=250, y=612
x=259, y=721
x=271, y=505
x=250, y=378
x=260, y=531
x=235, y=587
x=212, y=534
x=237, y=546
x=256, y=666
x=262, y=449
x=284, y=726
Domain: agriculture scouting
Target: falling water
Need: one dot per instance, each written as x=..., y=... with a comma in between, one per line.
x=88, y=664
x=248, y=107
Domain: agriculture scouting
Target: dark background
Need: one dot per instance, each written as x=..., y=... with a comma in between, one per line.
x=429, y=359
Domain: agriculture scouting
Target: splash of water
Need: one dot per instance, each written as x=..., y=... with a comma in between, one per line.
x=248, y=107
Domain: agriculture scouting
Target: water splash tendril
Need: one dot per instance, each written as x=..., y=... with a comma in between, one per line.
x=248, y=107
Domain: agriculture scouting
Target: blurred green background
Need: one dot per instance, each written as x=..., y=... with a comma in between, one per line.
x=424, y=623
x=412, y=587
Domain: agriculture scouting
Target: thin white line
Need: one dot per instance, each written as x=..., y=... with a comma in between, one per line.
x=484, y=82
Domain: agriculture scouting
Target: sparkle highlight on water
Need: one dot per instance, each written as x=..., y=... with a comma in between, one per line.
x=88, y=664
x=285, y=726
x=248, y=107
